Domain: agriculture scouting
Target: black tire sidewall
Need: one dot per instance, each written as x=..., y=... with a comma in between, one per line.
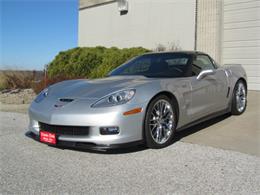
x=148, y=137
x=234, y=109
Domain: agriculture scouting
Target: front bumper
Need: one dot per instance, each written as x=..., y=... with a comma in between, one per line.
x=77, y=114
x=87, y=146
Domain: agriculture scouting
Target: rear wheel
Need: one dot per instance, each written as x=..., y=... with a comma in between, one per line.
x=160, y=122
x=239, y=100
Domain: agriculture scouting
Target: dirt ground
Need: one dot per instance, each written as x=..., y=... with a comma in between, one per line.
x=17, y=100
x=17, y=96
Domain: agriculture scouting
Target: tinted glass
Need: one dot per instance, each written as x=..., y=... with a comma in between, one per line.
x=202, y=62
x=156, y=65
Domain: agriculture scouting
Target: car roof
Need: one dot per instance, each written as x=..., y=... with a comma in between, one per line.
x=178, y=52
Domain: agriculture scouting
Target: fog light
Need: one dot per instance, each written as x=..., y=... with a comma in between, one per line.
x=109, y=130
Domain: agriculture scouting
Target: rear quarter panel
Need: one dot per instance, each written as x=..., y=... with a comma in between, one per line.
x=234, y=73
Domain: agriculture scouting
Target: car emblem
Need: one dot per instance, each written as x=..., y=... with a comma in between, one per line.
x=58, y=105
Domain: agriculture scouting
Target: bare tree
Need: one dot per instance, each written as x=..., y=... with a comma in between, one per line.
x=171, y=46
x=160, y=48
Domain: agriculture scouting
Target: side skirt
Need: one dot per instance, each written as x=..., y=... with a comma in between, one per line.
x=203, y=119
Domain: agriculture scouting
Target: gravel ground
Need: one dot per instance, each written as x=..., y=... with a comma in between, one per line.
x=29, y=167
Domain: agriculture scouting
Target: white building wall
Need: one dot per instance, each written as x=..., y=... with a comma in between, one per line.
x=147, y=24
x=228, y=30
x=241, y=37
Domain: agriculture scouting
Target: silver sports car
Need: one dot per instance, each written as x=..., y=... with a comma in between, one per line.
x=146, y=100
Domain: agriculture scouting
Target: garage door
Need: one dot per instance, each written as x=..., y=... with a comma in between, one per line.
x=241, y=37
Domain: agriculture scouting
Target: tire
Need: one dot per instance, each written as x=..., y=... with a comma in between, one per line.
x=239, y=98
x=160, y=122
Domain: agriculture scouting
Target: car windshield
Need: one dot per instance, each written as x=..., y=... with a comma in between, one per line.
x=156, y=65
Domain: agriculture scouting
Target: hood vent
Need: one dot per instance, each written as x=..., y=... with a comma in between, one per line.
x=67, y=100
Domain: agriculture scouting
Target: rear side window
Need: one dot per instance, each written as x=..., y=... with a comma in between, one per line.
x=177, y=61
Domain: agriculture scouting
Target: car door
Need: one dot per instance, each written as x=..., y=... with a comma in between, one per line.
x=208, y=90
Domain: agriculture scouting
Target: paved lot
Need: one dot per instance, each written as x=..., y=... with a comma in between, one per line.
x=29, y=167
x=238, y=133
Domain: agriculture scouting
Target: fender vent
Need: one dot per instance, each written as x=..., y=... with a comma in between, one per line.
x=228, y=92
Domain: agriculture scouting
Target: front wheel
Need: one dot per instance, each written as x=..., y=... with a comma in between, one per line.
x=160, y=122
x=239, y=99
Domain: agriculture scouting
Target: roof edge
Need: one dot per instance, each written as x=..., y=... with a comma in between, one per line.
x=83, y=4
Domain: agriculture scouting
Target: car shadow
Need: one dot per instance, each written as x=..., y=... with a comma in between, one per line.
x=118, y=151
x=194, y=129
x=179, y=135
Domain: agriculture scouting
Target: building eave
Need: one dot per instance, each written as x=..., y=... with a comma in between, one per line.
x=92, y=3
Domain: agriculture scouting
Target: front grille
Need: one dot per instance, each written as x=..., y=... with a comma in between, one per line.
x=64, y=130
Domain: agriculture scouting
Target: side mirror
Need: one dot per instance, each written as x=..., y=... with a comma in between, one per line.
x=205, y=73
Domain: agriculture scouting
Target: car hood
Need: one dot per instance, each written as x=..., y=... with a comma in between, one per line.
x=96, y=88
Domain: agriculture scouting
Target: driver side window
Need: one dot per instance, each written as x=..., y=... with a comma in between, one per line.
x=202, y=62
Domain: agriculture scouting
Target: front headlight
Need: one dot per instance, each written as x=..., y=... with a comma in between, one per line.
x=43, y=94
x=117, y=98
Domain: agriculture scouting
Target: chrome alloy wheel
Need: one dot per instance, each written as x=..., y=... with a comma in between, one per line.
x=241, y=97
x=161, y=121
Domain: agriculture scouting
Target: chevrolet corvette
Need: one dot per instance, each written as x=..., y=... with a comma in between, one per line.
x=145, y=100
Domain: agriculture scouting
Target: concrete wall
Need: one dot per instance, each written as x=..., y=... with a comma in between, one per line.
x=209, y=27
x=229, y=30
x=147, y=23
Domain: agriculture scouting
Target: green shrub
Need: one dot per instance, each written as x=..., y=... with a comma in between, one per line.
x=90, y=62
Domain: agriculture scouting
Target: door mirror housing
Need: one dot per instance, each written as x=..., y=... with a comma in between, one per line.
x=205, y=73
